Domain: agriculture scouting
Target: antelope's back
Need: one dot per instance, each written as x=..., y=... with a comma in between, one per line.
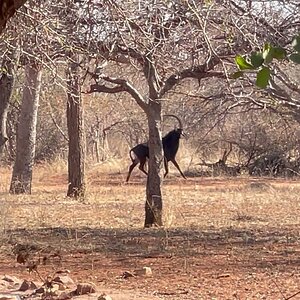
x=141, y=150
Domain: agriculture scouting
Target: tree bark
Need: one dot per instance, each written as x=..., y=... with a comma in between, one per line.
x=76, y=155
x=6, y=87
x=26, y=133
x=153, y=205
x=152, y=107
x=7, y=10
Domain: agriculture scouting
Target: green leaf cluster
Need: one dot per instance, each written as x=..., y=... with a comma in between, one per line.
x=258, y=61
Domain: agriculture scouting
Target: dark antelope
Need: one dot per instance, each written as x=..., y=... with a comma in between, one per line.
x=170, y=141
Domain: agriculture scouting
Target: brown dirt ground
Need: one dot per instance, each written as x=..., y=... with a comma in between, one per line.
x=223, y=238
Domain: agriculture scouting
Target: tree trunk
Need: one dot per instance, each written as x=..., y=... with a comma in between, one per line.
x=8, y=9
x=105, y=146
x=153, y=205
x=6, y=87
x=26, y=134
x=76, y=155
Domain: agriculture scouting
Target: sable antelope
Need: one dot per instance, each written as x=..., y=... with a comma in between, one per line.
x=170, y=141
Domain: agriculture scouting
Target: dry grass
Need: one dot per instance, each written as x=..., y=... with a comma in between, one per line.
x=110, y=203
x=207, y=221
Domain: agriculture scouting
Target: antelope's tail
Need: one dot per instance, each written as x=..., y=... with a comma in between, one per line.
x=130, y=155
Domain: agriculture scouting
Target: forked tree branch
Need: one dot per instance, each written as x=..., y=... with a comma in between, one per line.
x=121, y=85
x=197, y=73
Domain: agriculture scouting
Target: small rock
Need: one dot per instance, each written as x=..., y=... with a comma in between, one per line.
x=104, y=297
x=145, y=271
x=27, y=285
x=85, y=288
x=127, y=274
x=64, y=279
x=11, y=279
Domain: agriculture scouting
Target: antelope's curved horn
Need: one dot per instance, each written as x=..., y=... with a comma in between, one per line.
x=173, y=116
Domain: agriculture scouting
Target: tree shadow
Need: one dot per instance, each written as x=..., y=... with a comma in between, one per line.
x=258, y=248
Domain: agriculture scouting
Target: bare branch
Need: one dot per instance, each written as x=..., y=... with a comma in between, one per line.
x=199, y=73
x=101, y=88
x=122, y=85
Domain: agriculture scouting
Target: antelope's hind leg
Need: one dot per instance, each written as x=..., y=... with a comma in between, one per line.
x=142, y=166
x=166, y=167
x=132, y=166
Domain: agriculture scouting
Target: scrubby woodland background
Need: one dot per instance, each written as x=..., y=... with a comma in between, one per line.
x=228, y=233
x=258, y=130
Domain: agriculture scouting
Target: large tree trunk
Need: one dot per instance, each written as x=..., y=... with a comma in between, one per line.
x=26, y=134
x=76, y=155
x=8, y=9
x=6, y=87
x=153, y=206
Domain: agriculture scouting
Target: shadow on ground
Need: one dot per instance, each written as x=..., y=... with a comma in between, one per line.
x=253, y=248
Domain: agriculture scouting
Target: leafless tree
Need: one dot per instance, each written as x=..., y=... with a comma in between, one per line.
x=44, y=43
x=26, y=134
x=167, y=44
x=76, y=156
x=32, y=58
